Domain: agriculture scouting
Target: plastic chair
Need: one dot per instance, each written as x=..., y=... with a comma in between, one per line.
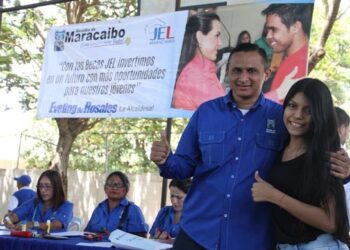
x=74, y=224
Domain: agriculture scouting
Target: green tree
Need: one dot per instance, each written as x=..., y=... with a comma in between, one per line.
x=334, y=68
x=123, y=144
x=27, y=29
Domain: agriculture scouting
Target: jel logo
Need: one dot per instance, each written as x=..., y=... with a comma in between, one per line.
x=162, y=33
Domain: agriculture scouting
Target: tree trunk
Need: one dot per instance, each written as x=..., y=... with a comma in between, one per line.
x=319, y=51
x=69, y=129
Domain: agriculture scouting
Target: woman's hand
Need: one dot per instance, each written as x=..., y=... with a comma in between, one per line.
x=8, y=222
x=161, y=235
x=105, y=231
x=164, y=236
x=18, y=227
x=264, y=191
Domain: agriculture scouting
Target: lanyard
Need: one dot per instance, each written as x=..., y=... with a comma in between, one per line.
x=40, y=214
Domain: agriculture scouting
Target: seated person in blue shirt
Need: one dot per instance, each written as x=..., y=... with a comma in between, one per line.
x=23, y=193
x=166, y=225
x=50, y=204
x=117, y=212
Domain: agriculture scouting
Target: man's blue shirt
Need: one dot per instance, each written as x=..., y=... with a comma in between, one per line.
x=221, y=149
x=103, y=219
x=165, y=222
x=33, y=210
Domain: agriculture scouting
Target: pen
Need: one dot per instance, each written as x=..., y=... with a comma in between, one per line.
x=48, y=224
x=8, y=220
x=24, y=225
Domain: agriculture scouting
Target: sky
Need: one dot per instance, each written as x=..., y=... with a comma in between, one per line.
x=13, y=122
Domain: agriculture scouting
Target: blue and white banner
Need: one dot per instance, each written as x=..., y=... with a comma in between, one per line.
x=119, y=68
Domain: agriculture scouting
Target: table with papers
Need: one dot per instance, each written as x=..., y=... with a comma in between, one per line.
x=74, y=241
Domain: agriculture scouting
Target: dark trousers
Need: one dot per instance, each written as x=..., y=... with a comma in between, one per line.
x=184, y=242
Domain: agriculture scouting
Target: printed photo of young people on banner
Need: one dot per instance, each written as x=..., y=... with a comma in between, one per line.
x=280, y=28
x=167, y=65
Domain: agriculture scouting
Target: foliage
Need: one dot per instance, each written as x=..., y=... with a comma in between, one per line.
x=334, y=69
x=22, y=40
x=17, y=52
x=111, y=9
x=122, y=144
x=114, y=144
x=38, y=144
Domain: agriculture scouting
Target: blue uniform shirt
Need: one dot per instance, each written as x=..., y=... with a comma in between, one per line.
x=102, y=219
x=24, y=194
x=165, y=222
x=222, y=148
x=32, y=210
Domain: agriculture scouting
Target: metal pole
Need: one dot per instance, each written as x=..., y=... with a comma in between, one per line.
x=177, y=5
x=168, y=134
x=165, y=181
x=19, y=148
x=138, y=13
x=105, y=137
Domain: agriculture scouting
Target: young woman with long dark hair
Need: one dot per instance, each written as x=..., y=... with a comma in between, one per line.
x=309, y=207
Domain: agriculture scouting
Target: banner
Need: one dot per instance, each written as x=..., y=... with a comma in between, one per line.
x=167, y=65
x=119, y=68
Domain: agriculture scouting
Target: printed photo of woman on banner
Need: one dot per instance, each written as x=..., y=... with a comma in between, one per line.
x=282, y=30
x=196, y=80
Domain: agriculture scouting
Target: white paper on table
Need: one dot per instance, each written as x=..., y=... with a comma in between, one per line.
x=123, y=239
x=5, y=232
x=96, y=244
x=68, y=234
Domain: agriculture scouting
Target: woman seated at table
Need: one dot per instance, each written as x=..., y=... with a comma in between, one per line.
x=49, y=211
x=166, y=225
x=117, y=212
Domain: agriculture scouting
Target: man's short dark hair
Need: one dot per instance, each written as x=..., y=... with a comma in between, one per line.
x=250, y=47
x=291, y=13
x=342, y=117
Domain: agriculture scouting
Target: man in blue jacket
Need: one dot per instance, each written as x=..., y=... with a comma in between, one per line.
x=23, y=194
